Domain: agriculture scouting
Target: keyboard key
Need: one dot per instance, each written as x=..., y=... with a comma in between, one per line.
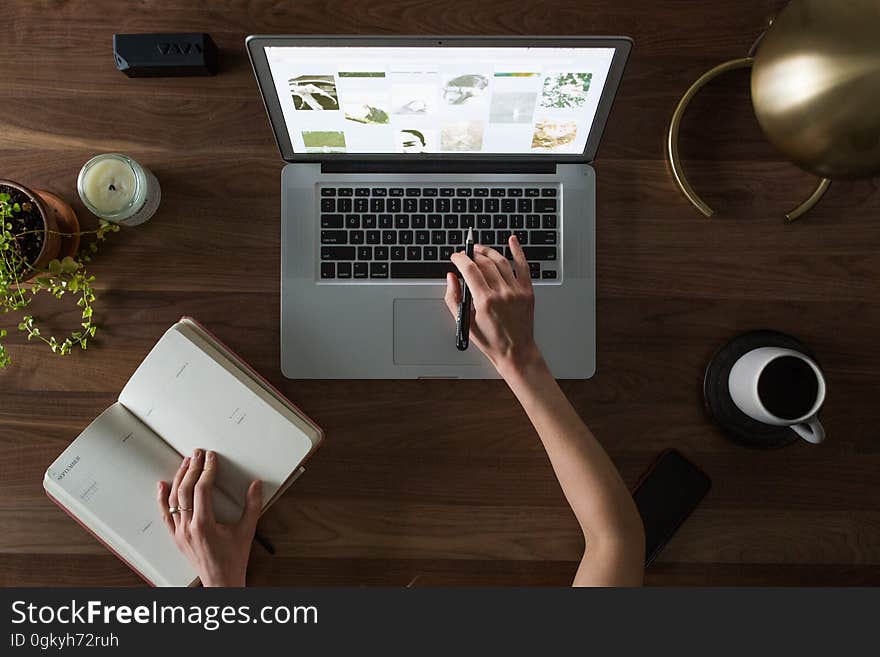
x=430, y=252
x=418, y=221
x=447, y=191
x=540, y=252
x=386, y=221
x=443, y=205
x=394, y=205
x=502, y=236
x=487, y=237
x=401, y=221
x=426, y=205
x=484, y=221
x=331, y=221
x=463, y=192
x=328, y=191
x=362, y=191
x=543, y=237
x=522, y=236
x=533, y=221
x=548, y=191
x=535, y=269
x=374, y=237
x=549, y=221
x=532, y=191
x=514, y=191
x=328, y=205
x=380, y=253
x=498, y=192
x=352, y=221
x=363, y=205
x=360, y=270
x=438, y=237
x=378, y=270
x=429, y=191
x=468, y=221
x=545, y=205
x=365, y=253
x=389, y=237
x=355, y=237
x=395, y=191
x=524, y=205
x=508, y=205
x=343, y=269
x=481, y=191
x=421, y=269
x=413, y=191
x=446, y=252
x=450, y=221
x=405, y=237
x=410, y=205
x=343, y=205
x=517, y=221
x=435, y=221
x=344, y=191
x=328, y=270
x=492, y=205
x=548, y=274
x=377, y=205
x=499, y=221
x=337, y=253
x=368, y=221
x=398, y=252
x=413, y=253
x=423, y=237
x=334, y=237
x=454, y=237
x=380, y=191
x=475, y=205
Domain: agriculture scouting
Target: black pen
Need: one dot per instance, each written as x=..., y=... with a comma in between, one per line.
x=463, y=321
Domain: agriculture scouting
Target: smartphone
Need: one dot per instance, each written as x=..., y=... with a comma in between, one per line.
x=665, y=496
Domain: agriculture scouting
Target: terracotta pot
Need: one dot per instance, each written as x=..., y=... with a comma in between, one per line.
x=58, y=217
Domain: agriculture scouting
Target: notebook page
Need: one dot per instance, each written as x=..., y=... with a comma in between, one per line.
x=192, y=401
x=107, y=478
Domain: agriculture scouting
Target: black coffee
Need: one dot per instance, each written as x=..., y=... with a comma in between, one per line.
x=788, y=387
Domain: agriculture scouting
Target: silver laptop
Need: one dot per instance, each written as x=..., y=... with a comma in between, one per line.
x=396, y=146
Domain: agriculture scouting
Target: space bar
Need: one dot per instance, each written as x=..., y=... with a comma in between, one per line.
x=421, y=269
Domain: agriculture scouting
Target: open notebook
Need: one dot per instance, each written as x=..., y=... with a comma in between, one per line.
x=189, y=392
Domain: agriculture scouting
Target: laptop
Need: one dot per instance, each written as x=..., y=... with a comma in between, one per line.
x=395, y=147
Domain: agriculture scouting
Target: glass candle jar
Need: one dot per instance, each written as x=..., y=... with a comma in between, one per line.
x=116, y=188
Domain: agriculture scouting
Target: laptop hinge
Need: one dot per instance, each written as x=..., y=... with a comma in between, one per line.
x=436, y=166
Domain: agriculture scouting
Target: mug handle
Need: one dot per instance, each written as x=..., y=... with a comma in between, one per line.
x=812, y=430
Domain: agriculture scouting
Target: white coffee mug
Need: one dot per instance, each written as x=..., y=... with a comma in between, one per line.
x=743, y=382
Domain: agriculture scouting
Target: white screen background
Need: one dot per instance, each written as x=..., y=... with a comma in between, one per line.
x=453, y=100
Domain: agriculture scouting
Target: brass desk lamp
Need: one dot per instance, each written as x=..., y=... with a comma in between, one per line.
x=815, y=91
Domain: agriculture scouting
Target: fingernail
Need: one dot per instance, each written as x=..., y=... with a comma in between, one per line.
x=209, y=455
x=158, y=485
x=197, y=454
x=186, y=461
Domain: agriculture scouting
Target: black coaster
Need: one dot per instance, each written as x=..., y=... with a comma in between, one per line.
x=736, y=425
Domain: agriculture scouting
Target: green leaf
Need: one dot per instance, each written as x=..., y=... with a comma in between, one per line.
x=55, y=267
x=69, y=265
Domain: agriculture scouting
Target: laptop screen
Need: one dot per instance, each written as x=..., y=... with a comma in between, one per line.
x=452, y=100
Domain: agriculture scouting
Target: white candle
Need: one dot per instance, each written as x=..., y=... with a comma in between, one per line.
x=110, y=185
x=116, y=188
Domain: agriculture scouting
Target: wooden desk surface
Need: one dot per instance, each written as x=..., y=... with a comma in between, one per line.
x=447, y=483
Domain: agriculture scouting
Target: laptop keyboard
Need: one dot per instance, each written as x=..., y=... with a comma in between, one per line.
x=371, y=232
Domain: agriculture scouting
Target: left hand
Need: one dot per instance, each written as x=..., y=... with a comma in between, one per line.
x=219, y=552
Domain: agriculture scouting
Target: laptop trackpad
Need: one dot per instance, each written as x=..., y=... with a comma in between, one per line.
x=424, y=334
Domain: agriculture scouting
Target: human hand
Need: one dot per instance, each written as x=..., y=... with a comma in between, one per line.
x=502, y=323
x=219, y=552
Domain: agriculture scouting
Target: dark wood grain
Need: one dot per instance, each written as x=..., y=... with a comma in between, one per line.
x=434, y=483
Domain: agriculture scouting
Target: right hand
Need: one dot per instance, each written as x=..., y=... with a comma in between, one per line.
x=502, y=323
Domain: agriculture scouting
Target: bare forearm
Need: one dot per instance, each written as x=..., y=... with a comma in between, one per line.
x=598, y=497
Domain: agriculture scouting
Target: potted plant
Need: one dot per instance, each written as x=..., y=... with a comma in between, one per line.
x=39, y=241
